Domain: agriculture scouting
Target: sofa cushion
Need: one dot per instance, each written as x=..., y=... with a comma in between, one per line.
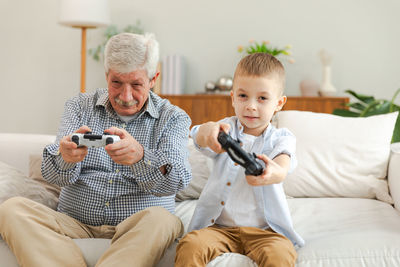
x=201, y=167
x=346, y=232
x=35, y=173
x=14, y=183
x=339, y=156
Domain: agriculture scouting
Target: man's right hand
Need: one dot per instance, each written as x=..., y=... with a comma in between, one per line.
x=208, y=135
x=70, y=151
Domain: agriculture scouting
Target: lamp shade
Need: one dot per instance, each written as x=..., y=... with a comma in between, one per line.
x=84, y=13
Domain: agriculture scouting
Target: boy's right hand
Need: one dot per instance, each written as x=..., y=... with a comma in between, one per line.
x=70, y=151
x=208, y=135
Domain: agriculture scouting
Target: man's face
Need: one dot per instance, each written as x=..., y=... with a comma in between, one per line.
x=255, y=100
x=128, y=92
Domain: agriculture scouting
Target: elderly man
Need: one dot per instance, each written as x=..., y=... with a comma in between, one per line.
x=124, y=191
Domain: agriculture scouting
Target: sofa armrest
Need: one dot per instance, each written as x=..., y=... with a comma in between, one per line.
x=394, y=174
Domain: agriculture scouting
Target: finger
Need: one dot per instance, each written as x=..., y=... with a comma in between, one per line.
x=112, y=150
x=117, y=131
x=224, y=127
x=83, y=129
x=263, y=158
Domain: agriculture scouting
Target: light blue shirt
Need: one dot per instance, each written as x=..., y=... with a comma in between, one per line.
x=270, y=198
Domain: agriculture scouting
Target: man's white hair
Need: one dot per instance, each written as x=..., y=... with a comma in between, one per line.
x=127, y=52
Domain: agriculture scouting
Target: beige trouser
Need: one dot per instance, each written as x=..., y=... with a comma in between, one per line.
x=40, y=236
x=265, y=247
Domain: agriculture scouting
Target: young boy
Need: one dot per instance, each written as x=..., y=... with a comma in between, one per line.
x=235, y=212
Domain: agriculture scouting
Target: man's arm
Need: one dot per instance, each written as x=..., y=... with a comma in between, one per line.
x=54, y=168
x=162, y=171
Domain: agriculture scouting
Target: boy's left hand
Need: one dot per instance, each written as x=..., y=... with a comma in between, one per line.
x=273, y=172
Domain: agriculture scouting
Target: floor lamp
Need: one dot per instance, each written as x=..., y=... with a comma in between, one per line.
x=84, y=14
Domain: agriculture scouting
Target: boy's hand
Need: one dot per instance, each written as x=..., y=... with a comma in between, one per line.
x=274, y=172
x=208, y=135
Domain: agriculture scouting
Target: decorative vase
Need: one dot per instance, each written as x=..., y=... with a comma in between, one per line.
x=327, y=88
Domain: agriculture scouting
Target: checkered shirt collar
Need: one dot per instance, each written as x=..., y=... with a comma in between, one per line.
x=149, y=107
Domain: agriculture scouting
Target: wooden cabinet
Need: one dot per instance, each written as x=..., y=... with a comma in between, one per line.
x=212, y=107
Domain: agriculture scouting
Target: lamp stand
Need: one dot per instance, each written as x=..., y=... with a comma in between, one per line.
x=83, y=59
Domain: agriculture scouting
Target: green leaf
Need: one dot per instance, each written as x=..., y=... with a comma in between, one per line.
x=345, y=113
x=357, y=106
x=382, y=108
x=394, y=98
x=363, y=98
x=396, y=131
x=370, y=107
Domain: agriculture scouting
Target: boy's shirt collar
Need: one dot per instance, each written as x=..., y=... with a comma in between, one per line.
x=240, y=129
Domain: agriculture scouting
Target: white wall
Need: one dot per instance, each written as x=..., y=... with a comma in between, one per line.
x=40, y=59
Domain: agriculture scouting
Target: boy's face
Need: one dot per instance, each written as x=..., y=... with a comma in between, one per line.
x=255, y=100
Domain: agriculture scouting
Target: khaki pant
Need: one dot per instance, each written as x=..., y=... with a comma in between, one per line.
x=40, y=236
x=265, y=247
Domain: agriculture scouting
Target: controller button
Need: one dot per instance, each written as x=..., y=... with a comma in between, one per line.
x=228, y=183
x=222, y=203
x=235, y=164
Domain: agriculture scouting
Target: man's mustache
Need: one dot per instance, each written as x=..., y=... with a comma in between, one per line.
x=125, y=104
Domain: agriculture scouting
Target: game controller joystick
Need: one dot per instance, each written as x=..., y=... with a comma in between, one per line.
x=92, y=140
x=238, y=155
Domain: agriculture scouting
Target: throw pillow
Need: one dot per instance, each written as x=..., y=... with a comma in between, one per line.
x=35, y=173
x=339, y=156
x=14, y=183
x=201, y=166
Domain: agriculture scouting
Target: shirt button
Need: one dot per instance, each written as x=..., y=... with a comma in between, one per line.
x=148, y=162
x=222, y=203
x=110, y=181
x=117, y=170
x=107, y=203
x=228, y=183
x=124, y=125
x=212, y=220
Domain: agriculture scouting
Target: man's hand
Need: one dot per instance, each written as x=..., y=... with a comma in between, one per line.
x=127, y=151
x=70, y=151
x=274, y=172
x=208, y=135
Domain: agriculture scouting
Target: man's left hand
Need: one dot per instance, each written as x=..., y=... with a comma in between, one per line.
x=125, y=152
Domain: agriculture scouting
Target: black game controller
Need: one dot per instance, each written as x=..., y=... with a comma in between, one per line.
x=238, y=155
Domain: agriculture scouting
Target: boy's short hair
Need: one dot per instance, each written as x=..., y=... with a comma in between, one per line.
x=261, y=64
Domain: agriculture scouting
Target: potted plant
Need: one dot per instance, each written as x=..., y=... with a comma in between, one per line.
x=368, y=106
x=265, y=47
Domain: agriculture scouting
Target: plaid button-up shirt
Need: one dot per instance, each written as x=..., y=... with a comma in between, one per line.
x=97, y=191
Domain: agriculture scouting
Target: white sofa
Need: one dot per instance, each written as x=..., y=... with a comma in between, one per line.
x=341, y=226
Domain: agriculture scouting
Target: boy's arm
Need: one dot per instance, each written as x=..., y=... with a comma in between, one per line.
x=275, y=170
x=206, y=136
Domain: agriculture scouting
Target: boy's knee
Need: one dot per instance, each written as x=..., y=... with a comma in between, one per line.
x=190, y=243
x=279, y=256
